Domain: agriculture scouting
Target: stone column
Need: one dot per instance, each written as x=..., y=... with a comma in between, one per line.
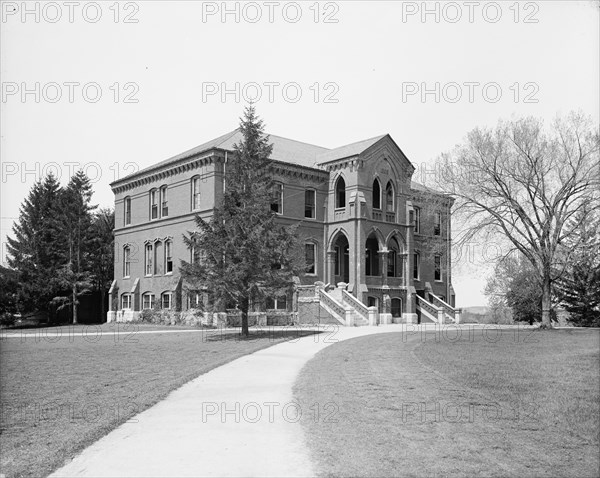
x=386, y=307
x=404, y=264
x=410, y=315
x=330, y=267
x=383, y=254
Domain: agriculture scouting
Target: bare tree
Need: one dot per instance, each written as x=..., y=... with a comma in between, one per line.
x=523, y=183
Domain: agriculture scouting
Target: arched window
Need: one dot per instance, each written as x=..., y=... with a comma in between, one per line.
x=416, y=266
x=166, y=300
x=126, y=301
x=396, y=307
x=195, y=193
x=127, y=210
x=394, y=268
x=154, y=203
x=158, y=265
x=437, y=267
x=437, y=224
x=148, y=301
x=164, y=201
x=376, y=194
x=417, y=220
x=277, y=199
x=168, y=256
x=389, y=197
x=126, y=261
x=372, y=256
x=310, y=254
x=149, y=253
x=340, y=193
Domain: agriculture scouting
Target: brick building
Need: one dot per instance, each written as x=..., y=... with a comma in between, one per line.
x=365, y=225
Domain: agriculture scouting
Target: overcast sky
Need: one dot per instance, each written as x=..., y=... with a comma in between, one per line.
x=115, y=87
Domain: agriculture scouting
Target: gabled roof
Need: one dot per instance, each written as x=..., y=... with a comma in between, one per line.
x=284, y=149
x=348, y=150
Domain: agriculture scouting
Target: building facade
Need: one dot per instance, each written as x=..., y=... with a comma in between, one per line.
x=365, y=226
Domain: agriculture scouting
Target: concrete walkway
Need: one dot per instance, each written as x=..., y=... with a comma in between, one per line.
x=236, y=420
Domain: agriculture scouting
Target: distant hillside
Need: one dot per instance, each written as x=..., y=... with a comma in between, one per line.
x=478, y=309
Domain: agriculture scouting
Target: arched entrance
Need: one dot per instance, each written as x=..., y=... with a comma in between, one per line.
x=341, y=262
x=372, y=256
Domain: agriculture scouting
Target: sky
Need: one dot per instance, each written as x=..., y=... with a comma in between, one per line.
x=113, y=87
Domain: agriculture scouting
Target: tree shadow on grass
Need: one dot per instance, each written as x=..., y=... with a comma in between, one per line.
x=260, y=333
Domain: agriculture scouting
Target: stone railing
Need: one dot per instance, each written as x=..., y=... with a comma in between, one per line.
x=361, y=309
x=377, y=215
x=448, y=309
x=435, y=313
x=390, y=217
x=334, y=307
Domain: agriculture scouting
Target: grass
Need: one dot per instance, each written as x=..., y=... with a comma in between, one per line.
x=467, y=407
x=61, y=392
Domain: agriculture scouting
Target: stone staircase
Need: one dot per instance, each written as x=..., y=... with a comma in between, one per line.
x=437, y=310
x=344, y=307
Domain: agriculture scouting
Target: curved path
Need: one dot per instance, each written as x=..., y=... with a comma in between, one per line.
x=236, y=420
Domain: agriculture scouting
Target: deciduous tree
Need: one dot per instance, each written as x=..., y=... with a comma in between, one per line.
x=523, y=182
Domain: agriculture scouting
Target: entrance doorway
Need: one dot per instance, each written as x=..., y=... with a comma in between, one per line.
x=342, y=259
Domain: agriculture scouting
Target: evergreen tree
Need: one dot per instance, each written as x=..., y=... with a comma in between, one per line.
x=579, y=287
x=102, y=254
x=37, y=249
x=9, y=287
x=245, y=256
x=76, y=221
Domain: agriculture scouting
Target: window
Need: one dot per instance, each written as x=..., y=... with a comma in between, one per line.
x=148, y=301
x=194, y=300
x=417, y=220
x=309, y=203
x=340, y=193
x=389, y=197
x=153, y=204
x=396, y=307
x=196, y=193
x=164, y=209
x=280, y=303
x=416, y=266
x=376, y=194
x=194, y=255
x=158, y=266
x=309, y=254
x=148, y=259
x=393, y=268
x=168, y=257
x=277, y=200
x=126, y=261
x=166, y=300
x=372, y=256
x=127, y=211
x=437, y=267
x=437, y=225
x=126, y=301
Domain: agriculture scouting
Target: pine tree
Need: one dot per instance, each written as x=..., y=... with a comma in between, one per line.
x=37, y=249
x=579, y=287
x=245, y=255
x=76, y=221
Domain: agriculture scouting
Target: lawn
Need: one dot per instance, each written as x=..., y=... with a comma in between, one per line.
x=472, y=406
x=61, y=391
